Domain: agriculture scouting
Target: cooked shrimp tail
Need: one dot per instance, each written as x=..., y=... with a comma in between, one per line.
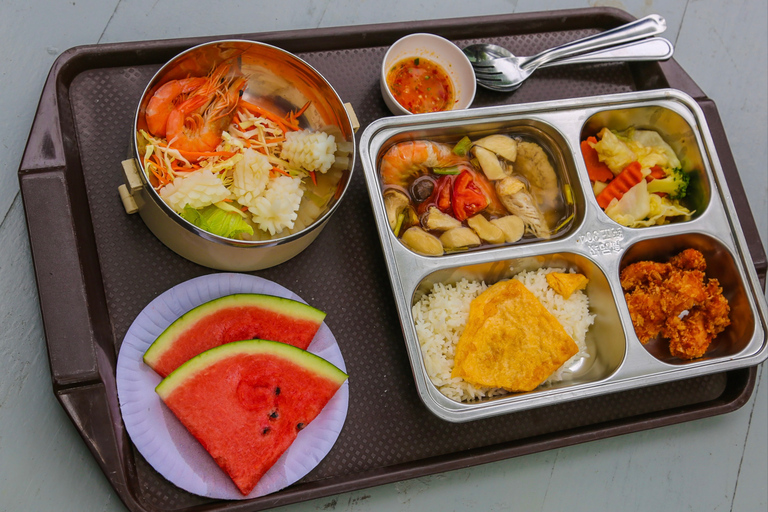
x=165, y=99
x=408, y=160
x=197, y=123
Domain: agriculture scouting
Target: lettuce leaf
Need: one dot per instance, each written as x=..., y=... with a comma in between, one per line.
x=229, y=224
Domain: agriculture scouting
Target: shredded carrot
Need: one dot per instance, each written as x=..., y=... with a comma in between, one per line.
x=298, y=114
x=625, y=180
x=596, y=169
x=201, y=154
x=303, y=109
x=314, y=178
x=257, y=110
x=186, y=168
x=277, y=169
x=161, y=173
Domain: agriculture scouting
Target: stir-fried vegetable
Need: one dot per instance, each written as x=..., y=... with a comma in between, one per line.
x=620, y=185
x=675, y=185
x=637, y=178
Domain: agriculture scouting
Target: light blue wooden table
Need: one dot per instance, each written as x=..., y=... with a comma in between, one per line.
x=718, y=463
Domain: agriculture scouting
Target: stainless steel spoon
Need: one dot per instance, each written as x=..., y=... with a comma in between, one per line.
x=510, y=72
x=654, y=48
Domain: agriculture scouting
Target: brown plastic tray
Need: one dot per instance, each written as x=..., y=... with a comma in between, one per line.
x=97, y=267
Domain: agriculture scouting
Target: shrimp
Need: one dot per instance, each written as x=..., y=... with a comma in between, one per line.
x=196, y=124
x=166, y=99
x=406, y=160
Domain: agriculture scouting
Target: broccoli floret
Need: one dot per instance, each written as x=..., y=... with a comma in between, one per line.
x=675, y=184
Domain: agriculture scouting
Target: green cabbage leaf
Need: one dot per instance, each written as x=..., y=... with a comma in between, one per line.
x=227, y=223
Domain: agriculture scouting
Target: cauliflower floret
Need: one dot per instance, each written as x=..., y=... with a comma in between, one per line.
x=311, y=151
x=250, y=177
x=276, y=208
x=197, y=190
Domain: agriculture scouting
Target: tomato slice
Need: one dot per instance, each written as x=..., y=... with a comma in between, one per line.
x=468, y=198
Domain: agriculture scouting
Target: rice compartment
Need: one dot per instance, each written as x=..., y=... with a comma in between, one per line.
x=442, y=314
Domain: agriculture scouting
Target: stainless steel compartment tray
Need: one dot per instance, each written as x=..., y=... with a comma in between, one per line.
x=594, y=238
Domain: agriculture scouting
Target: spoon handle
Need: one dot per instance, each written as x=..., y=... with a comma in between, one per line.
x=654, y=48
x=639, y=29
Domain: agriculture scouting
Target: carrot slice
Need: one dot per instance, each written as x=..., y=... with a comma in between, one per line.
x=596, y=169
x=625, y=180
x=657, y=173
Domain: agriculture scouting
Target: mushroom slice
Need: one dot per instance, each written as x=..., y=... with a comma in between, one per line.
x=394, y=202
x=503, y=145
x=436, y=220
x=422, y=242
x=512, y=226
x=459, y=238
x=486, y=230
x=489, y=163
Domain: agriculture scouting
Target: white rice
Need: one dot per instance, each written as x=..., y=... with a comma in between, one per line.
x=440, y=317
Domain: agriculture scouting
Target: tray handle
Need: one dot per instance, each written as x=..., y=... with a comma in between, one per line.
x=131, y=186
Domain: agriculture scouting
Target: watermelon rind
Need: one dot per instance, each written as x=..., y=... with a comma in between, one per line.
x=290, y=307
x=300, y=357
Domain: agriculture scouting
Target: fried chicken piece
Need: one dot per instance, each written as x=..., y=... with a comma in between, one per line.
x=690, y=336
x=682, y=290
x=673, y=299
x=643, y=273
x=647, y=316
x=657, y=291
x=689, y=259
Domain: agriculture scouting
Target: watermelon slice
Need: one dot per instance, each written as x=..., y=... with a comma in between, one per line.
x=246, y=402
x=241, y=316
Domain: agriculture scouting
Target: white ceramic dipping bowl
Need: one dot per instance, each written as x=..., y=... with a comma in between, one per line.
x=439, y=50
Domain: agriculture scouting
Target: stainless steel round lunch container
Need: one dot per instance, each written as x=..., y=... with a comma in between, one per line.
x=287, y=81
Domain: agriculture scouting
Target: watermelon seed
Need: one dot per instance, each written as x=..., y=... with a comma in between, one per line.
x=273, y=415
x=277, y=391
x=264, y=432
x=299, y=426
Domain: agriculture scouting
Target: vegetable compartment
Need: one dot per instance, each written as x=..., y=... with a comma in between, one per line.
x=645, y=166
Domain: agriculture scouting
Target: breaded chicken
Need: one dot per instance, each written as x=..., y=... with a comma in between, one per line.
x=689, y=259
x=675, y=300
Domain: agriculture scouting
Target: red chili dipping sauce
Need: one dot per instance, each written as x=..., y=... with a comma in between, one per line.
x=421, y=85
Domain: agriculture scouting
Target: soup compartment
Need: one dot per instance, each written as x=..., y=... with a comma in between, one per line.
x=639, y=125
x=539, y=187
